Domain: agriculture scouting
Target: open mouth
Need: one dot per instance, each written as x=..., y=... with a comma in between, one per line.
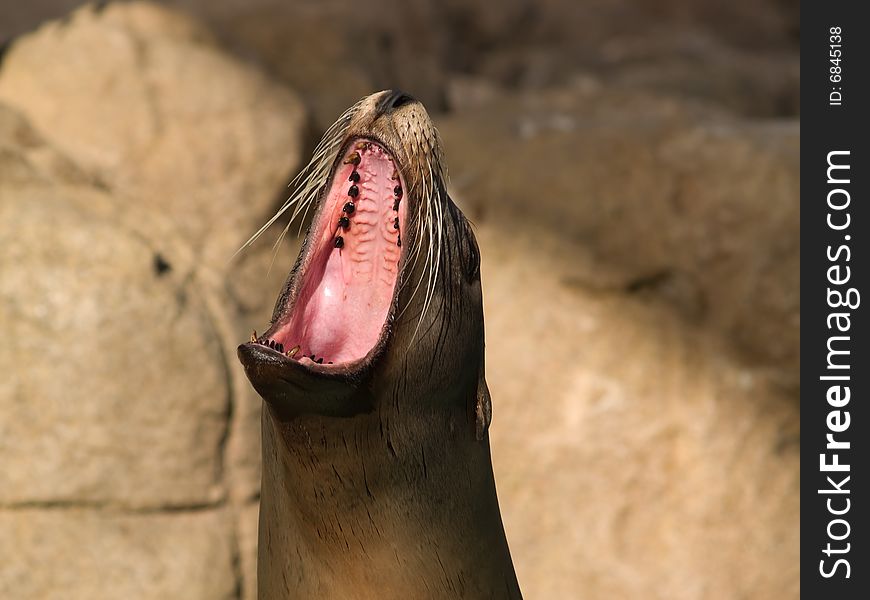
x=346, y=282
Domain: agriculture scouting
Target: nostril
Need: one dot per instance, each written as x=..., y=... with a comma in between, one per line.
x=400, y=99
x=392, y=100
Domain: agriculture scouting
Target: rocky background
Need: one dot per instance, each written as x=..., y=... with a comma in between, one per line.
x=632, y=172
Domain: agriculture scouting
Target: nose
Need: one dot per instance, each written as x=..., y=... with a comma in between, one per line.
x=392, y=100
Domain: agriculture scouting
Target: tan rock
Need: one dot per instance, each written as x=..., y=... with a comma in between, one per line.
x=248, y=534
x=123, y=308
x=674, y=201
x=633, y=459
x=114, y=387
x=97, y=555
x=630, y=244
x=144, y=100
x=26, y=157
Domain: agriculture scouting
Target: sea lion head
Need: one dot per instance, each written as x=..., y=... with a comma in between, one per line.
x=385, y=293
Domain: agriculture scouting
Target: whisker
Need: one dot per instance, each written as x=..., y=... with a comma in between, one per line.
x=310, y=179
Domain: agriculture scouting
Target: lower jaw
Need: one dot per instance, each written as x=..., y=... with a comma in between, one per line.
x=348, y=280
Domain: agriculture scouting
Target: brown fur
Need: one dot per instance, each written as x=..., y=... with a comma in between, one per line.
x=377, y=479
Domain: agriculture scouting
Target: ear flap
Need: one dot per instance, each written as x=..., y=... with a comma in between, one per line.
x=482, y=410
x=469, y=250
x=471, y=255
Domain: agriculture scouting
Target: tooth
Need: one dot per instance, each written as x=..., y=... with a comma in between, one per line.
x=395, y=175
x=353, y=159
x=362, y=145
x=292, y=352
x=279, y=347
x=339, y=242
x=253, y=335
x=319, y=361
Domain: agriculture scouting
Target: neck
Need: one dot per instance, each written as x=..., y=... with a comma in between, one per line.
x=372, y=507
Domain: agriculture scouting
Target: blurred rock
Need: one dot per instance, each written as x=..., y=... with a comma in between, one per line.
x=135, y=159
x=633, y=459
x=335, y=51
x=94, y=555
x=115, y=388
x=650, y=248
x=680, y=63
x=671, y=46
x=144, y=101
x=676, y=202
x=248, y=537
x=290, y=41
x=26, y=157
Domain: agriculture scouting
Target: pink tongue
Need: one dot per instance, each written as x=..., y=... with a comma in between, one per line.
x=347, y=290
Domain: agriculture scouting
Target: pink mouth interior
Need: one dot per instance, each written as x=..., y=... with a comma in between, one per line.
x=349, y=280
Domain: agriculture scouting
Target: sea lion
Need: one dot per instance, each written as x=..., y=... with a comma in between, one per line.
x=377, y=477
